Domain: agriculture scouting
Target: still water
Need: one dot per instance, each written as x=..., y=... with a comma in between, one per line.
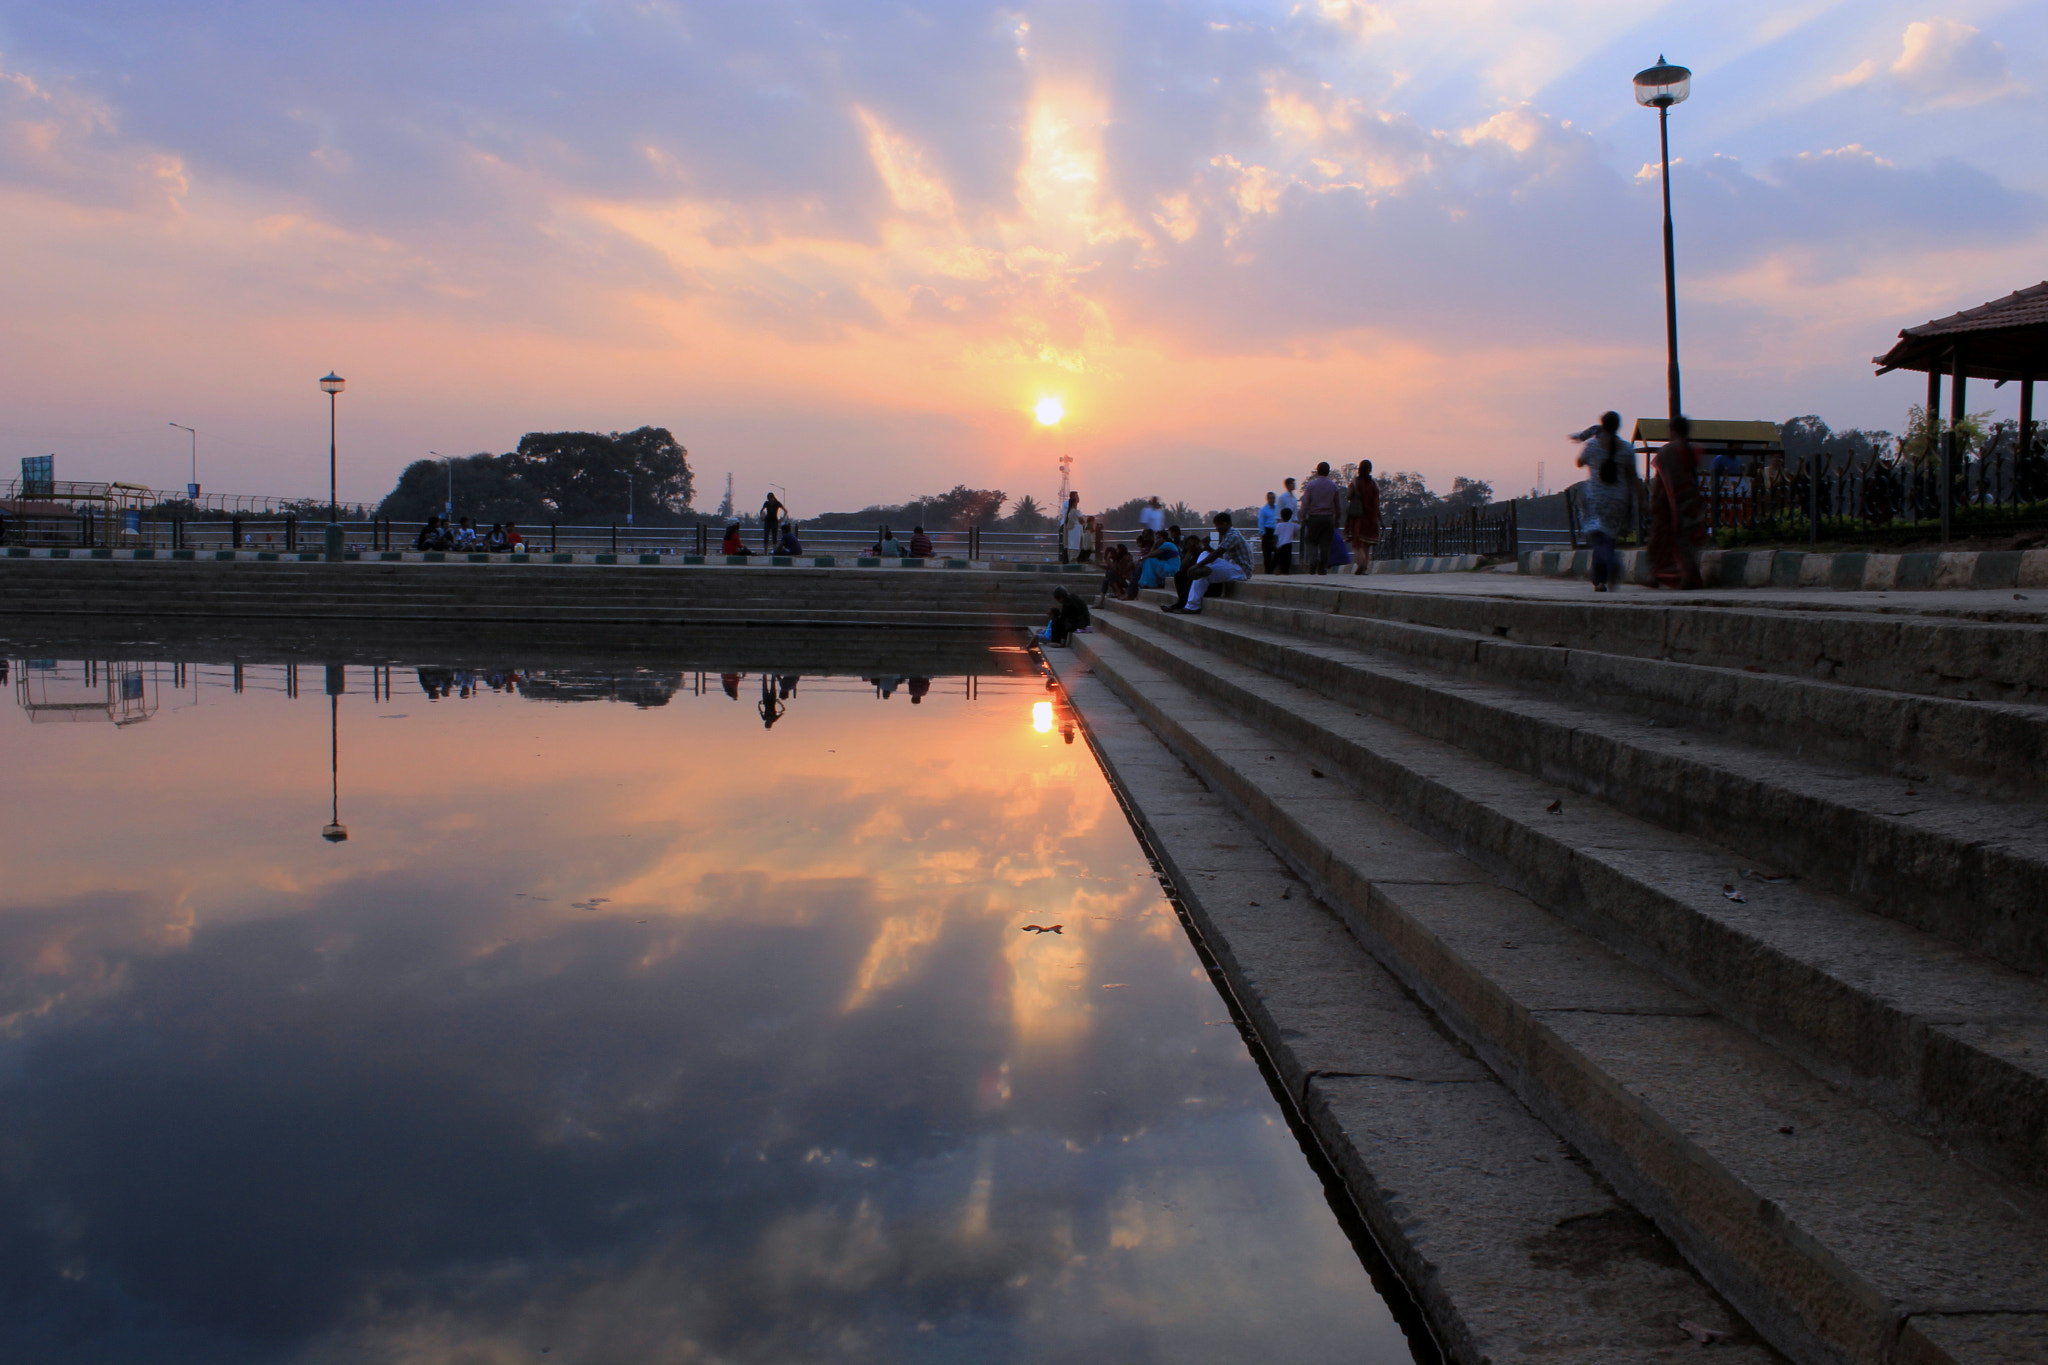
x=493, y=1012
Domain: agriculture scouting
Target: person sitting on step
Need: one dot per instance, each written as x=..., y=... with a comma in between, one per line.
x=1161, y=561
x=1229, y=560
x=920, y=544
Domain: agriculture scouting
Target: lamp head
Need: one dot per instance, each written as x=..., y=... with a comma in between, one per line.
x=1663, y=85
x=332, y=383
x=334, y=834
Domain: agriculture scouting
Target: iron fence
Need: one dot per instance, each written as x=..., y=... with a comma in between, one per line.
x=89, y=528
x=1489, y=530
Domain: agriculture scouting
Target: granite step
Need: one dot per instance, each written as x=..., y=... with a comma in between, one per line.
x=1511, y=1247
x=1839, y=1232
x=1996, y=748
x=1939, y=1036
x=1953, y=863
x=1905, y=648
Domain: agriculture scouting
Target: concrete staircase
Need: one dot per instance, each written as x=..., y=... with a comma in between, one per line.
x=1749, y=904
x=575, y=595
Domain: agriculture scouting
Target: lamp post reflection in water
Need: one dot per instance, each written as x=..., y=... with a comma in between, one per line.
x=334, y=832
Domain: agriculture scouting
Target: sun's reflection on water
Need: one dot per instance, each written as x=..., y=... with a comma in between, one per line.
x=667, y=1016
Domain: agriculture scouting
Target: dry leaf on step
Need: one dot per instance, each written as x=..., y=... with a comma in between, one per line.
x=1705, y=1336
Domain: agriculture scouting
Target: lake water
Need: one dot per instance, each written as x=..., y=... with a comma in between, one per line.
x=642, y=1015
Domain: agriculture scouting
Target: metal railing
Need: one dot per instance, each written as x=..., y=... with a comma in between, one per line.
x=291, y=533
x=1488, y=530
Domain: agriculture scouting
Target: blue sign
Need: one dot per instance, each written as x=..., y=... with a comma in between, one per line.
x=38, y=476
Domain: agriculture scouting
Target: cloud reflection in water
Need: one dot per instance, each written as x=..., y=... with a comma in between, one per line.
x=713, y=1044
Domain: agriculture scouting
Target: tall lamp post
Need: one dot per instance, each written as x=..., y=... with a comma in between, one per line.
x=334, y=832
x=1659, y=87
x=192, y=488
x=629, y=495
x=450, y=459
x=331, y=384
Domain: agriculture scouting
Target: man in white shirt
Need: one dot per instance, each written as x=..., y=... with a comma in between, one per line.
x=1288, y=500
x=1152, y=517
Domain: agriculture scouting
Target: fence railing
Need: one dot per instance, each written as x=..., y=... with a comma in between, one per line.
x=88, y=527
x=250, y=504
x=1488, y=530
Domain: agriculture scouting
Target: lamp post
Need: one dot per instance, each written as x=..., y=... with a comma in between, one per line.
x=331, y=384
x=449, y=510
x=629, y=495
x=192, y=488
x=1659, y=87
x=334, y=832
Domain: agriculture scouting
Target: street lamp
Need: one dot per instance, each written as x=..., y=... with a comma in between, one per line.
x=1659, y=87
x=334, y=832
x=331, y=384
x=450, y=512
x=192, y=488
x=629, y=495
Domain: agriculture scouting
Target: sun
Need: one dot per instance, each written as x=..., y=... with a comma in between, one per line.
x=1049, y=411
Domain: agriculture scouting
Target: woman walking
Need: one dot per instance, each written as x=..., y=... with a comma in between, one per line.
x=1608, y=497
x=1362, y=516
x=1678, y=521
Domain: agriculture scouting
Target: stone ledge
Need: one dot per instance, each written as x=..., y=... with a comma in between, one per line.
x=1511, y=1249
x=1844, y=571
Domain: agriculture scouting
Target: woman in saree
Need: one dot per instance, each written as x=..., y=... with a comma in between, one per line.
x=1362, y=516
x=1678, y=518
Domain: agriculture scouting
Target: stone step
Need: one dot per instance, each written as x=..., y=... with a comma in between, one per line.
x=1987, y=747
x=1840, y=1233
x=1905, y=649
x=1938, y=1035
x=1950, y=863
x=1513, y=1249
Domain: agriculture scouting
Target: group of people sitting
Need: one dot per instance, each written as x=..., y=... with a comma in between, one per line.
x=438, y=534
x=1189, y=562
x=886, y=545
x=735, y=544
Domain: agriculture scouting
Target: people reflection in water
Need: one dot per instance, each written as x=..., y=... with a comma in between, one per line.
x=918, y=688
x=732, y=684
x=771, y=706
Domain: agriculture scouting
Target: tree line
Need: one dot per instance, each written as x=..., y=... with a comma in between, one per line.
x=578, y=477
x=591, y=478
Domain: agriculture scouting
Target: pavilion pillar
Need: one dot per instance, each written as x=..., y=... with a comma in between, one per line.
x=2026, y=418
x=1951, y=454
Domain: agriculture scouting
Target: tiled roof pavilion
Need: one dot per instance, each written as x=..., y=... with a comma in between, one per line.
x=2006, y=339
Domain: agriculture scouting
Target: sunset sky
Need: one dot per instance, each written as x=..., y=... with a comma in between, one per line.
x=847, y=247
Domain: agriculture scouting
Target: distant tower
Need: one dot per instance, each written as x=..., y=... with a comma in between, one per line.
x=725, y=508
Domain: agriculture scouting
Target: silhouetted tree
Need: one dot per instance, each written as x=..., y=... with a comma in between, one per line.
x=1124, y=516
x=1469, y=492
x=1027, y=515
x=571, y=476
x=1404, y=493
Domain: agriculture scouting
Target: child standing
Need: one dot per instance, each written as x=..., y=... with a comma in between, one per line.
x=1283, y=541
